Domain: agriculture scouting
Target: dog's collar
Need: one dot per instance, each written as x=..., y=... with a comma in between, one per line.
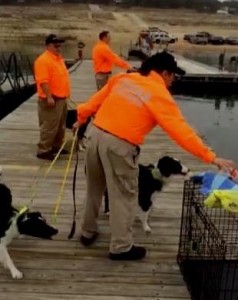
x=19, y=213
x=22, y=210
x=156, y=174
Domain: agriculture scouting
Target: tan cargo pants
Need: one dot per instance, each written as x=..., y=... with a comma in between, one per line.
x=52, y=122
x=101, y=80
x=113, y=162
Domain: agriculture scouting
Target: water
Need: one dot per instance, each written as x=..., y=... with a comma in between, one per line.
x=216, y=121
x=210, y=58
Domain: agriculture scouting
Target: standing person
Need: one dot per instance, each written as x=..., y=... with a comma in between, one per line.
x=221, y=61
x=104, y=59
x=53, y=88
x=126, y=110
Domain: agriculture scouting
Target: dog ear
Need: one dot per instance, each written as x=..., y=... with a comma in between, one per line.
x=164, y=166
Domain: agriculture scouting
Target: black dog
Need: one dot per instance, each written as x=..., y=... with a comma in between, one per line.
x=152, y=178
x=14, y=223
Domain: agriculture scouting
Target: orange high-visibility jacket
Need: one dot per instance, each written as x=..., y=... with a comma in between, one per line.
x=104, y=59
x=51, y=69
x=131, y=105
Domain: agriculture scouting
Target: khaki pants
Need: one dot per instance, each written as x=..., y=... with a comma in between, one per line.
x=113, y=162
x=52, y=122
x=101, y=80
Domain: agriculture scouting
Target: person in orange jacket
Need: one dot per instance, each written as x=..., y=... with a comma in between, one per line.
x=126, y=110
x=104, y=59
x=53, y=88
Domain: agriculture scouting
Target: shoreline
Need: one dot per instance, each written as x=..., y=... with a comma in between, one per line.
x=23, y=28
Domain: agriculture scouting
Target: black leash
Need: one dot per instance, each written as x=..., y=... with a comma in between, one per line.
x=73, y=227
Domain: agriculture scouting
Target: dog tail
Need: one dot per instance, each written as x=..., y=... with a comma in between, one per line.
x=5, y=197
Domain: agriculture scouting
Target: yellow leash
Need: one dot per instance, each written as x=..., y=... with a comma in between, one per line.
x=24, y=208
x=60, y=196
x=47, y=172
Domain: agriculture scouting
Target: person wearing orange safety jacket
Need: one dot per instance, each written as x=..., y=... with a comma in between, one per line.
x=104, y=60
x=53, y=88
x=126, y=110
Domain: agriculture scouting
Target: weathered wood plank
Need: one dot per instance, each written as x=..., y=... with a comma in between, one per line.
x=96, y=288
x=42, y=296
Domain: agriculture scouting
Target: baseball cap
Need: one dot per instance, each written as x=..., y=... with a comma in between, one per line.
x=162, y=61
x=53, y=39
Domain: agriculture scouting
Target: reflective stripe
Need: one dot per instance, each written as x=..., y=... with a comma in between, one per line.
x=132, y=92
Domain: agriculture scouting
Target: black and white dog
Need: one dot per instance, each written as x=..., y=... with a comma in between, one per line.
x=14, y=223
x=152, y=178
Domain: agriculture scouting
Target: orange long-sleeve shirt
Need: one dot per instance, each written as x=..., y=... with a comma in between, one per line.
x=51, y=69
x=131, y=105
x=104, y=59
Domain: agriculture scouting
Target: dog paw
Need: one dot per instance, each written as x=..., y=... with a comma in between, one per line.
x=107, y=213
x=17, y=274
x=82, y=148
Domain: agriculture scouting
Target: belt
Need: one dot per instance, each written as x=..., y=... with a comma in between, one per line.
x=117, y=137
x=104, y=73
x=56, y=98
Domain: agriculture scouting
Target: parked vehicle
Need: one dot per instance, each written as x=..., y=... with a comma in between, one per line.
x=154, y=29
x=204, y=37
x=216, y=40
x=198, y=39
x=163, y=37
x=231, y=40
x=212, y=39
x=205, y=33
x=186, y=37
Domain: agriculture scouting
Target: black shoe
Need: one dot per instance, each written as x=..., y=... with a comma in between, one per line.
x=88, y=241
x=135, y=253
x=63, y=151
x=46, y=156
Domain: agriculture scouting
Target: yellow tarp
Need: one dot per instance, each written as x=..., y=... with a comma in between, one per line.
x=226, y=199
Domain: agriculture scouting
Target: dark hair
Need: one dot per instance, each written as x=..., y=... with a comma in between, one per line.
x=160, y=62
x=103, y=34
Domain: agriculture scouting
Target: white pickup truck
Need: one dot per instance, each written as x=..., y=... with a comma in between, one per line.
x=162, y=38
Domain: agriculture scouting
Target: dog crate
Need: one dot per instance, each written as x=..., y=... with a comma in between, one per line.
x=208, y=248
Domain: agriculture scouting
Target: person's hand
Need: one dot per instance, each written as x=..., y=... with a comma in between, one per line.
x=225, y=164
x=132, y=70
x=75, y=127
x=50, y=101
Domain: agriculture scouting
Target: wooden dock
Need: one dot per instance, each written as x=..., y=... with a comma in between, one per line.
x=63, y=269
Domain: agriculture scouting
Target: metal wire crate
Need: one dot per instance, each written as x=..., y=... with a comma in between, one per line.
x=208, y=248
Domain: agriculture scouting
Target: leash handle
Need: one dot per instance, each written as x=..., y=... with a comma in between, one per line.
x=73, y=227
